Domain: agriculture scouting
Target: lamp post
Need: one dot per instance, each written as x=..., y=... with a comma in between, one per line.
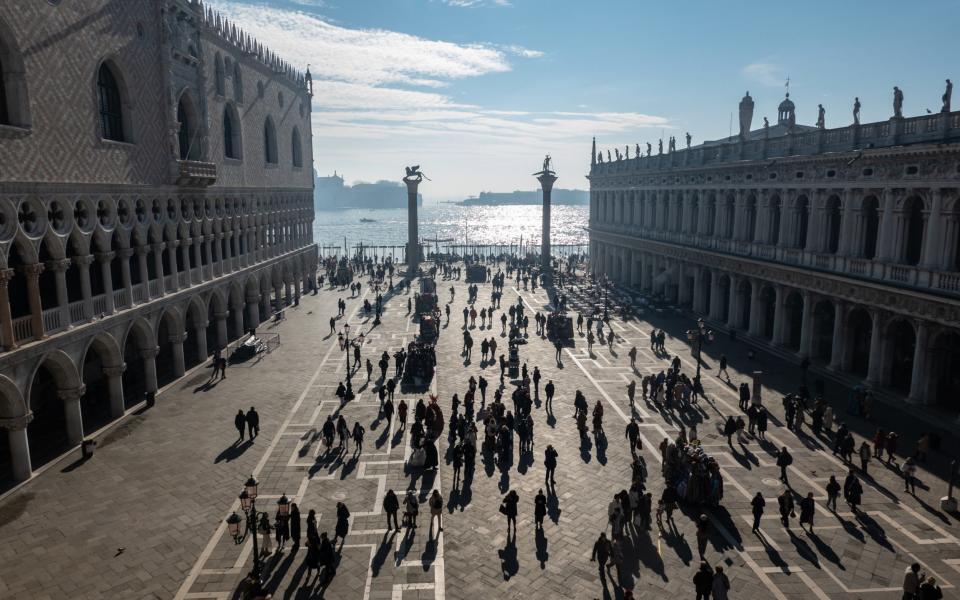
x=237, y=529
x=697, y=336
x=346, y=348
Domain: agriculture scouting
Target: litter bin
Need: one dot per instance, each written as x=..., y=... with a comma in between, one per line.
x=86, y=448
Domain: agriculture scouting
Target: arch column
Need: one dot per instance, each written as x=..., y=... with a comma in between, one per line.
x=221, y=318
x=217, y=255
x=84, y=262
x=933, y=255
x=698, y=289
x=756, y=310
x=7, y=340
x=149, y=356
x=19, y=445
x=71, y=410
x=172, y=245
x=207, y=243
x=144, y=272
x=875, y=366
x=185, y=257
x=733, y=303
x=918, y=378
x=201, y=335
x=177, y=340
x=158, y=267
x=114, y=377
x=885, y=243
x=59, y=268
x=839, y=336
x=779, y=316
x=806, y=325
x=253, y=311
x=715, y=300
x=125, y=281
x=32, y=273
x=104, y=259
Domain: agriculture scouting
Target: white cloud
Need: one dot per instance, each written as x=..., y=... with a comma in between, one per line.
x=523, y=52
x=472, y=3
x=765, y=73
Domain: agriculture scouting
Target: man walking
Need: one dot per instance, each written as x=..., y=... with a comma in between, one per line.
x=549, y=389
x=240, y=422
x=253, y=423
x=723, y=367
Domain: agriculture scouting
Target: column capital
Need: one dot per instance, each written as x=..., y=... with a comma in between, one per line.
x=105, y=257
x=33, y=270
x=158, y=247
x=220, y=316
x=187, y=241
x=115, y=371
x=5, y=276
x=124, y=252
x=173, y=243
x=208, y=237
x=202, y=325
x=73, y=394
x=16, y=423
x=178, y=338
x=146, y=353
x=58, y=265
x=83, y=260
x=218, y=235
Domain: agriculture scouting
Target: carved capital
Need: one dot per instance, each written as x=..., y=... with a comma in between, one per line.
x=105, y=257
x=178, y=338
x=158, y=247
x=124, y=252
x=218, y=235
x=5, y=276
x=142, y=250
x=173, y=244
x=16, y=423
x=84, y=260
x=59, y=265
x=221, y=316
x=201, y=326
x=115, y=371
x=147, y=353
x=33, y=270
x=72, y=395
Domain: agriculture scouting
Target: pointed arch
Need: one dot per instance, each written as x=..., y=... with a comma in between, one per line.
x=232, y=137
x=188, y=127
x=14, y=100
x=269, y=141
x=296, y=149
x=237, y=82
x=113, y=103
x=219, y=75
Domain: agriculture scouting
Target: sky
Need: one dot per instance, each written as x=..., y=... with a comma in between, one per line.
x=478, y=91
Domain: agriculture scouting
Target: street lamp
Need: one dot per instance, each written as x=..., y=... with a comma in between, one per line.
x=237, y=529
x=346, y=347
x=697, y=336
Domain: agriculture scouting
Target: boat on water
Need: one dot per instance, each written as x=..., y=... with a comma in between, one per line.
x=366, y=220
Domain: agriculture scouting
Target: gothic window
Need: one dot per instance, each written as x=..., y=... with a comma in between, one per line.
x=4, y=111
x=231, y=132
x=269, y=142
x=237, y=83
x=14, y=105
x=295, y=150
x=834, y=220
x=111, y=110
x=913, y=217
x=803, y=219
x=219, y=75
x=775, y=210
x=187, y=135
x=871, y=226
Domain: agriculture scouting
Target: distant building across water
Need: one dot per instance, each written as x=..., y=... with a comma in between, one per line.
x=566, y=197
x=331, y=193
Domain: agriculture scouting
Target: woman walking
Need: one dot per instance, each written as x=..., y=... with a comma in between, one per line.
x=436, y=510
x=295, y=524
x=266, y=545
x=509, y=508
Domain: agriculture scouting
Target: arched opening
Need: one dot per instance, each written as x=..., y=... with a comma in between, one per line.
x=694, y=213
x=768, y=303
x=231, y=132
x=803, y=220
x=724, y=298
x=871, y=226
x=166, y=369
x=193, y=354
x=296, y=152
x=707, y=286
x=214, y=305
x=47, y=432
x=269, y=142
x=945, y=371
x=794, y=320
x=48, y=277
x=711, y=215
x=823, y=323
x=17, y=293
x=95, y=403
x=751, y=219
x=14, y=103
x=139, y=342
x=188, y=133
x=653, y=213
x=237, y=83
x=729, y=218
x=11, y=407
x=678, y=224
x=913, y=230
x=110, y=103
x=219, y=75
x=860, y=333
x=901, y=344
x=776, y=208
x=834, y=221
x=744, y=293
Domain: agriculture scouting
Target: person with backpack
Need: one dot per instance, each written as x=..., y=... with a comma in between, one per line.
x=784, y=460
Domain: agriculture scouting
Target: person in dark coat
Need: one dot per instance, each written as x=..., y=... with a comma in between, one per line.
x=757, y=505
x=784, y=460
x=833, y=492
x=539, y=508
x=807, y=508
x=312, y=533
x=703, y=581
x=601, y=553
x=391, y=504
x=509, y=509
x=313, y=559
x=253, y=422
x=853, y=491
x=295, y=524
x=785, y=502
x=550, y=463
x=327, y=556
x=240, y=422
x=343, y=522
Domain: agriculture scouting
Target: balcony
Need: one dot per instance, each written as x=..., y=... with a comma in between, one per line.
x=193, y=173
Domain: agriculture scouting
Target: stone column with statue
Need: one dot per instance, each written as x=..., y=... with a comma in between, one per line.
x=414, y=252
x=546, y=177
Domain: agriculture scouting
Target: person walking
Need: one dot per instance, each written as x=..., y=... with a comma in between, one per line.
x=757, y=505
x=909, y=470
x=784, y=460
x=633, y=357
x=703, y=582
x=295, y=524
x=509, y=508
x=601, y=553
x=723, y=367
x=358, y=432
x=550, y=464
x=911, y=582
x=391, y=504
x=785, y=503
x=929, y=590
x=343, y=523
x=402, y=413
x=411, y=508
x=539, y=509
x=240, y=422
x=865, y=454
x=721, y=584
x=853, y=491
x=266, y=543
x=549, y=390
x=253, y=423
x=436, y=510
x=807, y=508
x=833, y=492
x=282, y=531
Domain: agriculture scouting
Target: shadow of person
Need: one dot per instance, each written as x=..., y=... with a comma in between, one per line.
x=376, y=563
x=553, y=505
x=542, y=554
x=233, y=452
x=509, y=566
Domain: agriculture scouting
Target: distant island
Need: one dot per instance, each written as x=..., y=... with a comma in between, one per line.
x=559, y=196
x=330, y=193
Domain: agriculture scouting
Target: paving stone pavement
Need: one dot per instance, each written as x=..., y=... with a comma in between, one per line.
x=163, y=481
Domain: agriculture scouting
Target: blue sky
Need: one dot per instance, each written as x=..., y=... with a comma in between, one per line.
x=477, y=91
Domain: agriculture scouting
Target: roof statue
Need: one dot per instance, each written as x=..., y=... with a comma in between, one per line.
x=626, y=152
x=661, y=146
x=649, y=149
x=856, y=110
x=548, y=168
x=638, y=153
x=897, y=103
x=821, y=117
x=946, y=97
x=608, y=156
x=689, y=139
x=415, y=174
x=746, y=115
